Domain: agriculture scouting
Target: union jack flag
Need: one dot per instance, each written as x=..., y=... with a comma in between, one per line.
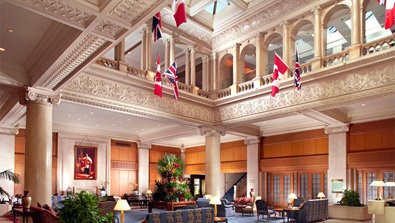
x=157, y=26
x=171, y=74
x=382, y=2
x=297, y=82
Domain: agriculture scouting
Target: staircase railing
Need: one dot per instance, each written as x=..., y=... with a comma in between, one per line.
x=241, y=187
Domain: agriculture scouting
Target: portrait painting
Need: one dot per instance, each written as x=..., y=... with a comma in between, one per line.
x=85, y=163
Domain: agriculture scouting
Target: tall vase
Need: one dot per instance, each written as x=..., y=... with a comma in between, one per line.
x=26, y=200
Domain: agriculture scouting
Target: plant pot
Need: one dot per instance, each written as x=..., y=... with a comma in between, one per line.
x=26, y=200
x=349, y=212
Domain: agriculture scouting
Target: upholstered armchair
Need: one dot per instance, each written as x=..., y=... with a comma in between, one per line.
x=226, y=209
x=262, y=209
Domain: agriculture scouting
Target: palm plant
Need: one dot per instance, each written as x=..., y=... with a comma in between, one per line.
x=8, y=175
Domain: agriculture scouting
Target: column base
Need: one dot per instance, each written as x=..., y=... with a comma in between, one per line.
x=233, y=89
x=355, y=51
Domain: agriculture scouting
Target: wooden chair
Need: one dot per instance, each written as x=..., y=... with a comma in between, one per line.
x=262, y=209
x=249, y=209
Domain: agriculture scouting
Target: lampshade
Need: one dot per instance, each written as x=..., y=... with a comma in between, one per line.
x=122, y=205
x=377, y=183
x=149, y=192
x=292, y=196
x=207, y=196
x=390, y=184
x=321, y=195
x=215, y=200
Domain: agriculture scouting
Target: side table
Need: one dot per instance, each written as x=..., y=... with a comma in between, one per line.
x=291, y=213
x=220, y=219
x=25, y=213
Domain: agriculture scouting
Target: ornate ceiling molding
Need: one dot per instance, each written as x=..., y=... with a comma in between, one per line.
x=255, y=23
x=8, y=130
x=109, y=29
x=120, y=97
x=63, y=10
x=80, y=54
x=130, y=11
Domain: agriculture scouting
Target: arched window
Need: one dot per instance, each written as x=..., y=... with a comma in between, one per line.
x=226, y=71
x=247, y=55
x=338, y=33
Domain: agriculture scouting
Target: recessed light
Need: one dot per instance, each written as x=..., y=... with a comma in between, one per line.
x=2, y=49
x=79, y=119
x=159, y=125
x=120, y=122
x=128, y=119
x=363, y=105
x=85, y=116
x=142, y=129
x=10, y=30
x=97, y=124
x=113, y=124
x=69, y=115
x=92, y=113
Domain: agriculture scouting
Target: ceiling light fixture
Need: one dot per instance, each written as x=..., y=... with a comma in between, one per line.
x=2, y=49
x=10, y=30
x=363, y=105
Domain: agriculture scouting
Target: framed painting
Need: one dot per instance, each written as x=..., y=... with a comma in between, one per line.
x=85, y=163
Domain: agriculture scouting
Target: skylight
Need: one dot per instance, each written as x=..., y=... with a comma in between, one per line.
x=217, y=6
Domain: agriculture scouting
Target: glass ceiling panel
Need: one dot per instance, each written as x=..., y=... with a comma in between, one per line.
x=221, y=4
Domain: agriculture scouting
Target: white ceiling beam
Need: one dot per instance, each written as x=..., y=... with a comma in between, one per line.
x=331, y=117
x=240, y=3
x=201, y=5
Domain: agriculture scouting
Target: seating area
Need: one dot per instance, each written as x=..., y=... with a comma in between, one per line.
x=181, y=215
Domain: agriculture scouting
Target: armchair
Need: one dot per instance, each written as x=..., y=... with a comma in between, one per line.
x=262, y=209
x=226, y=209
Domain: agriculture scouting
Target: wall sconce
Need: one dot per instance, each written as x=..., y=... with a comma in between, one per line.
x=321, y=195
x=378, y=183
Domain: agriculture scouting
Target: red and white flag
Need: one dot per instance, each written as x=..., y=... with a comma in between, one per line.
x=158, y=79
x=171, y=74
x=382, y=2
x=179, y=12
x=279, y=69
x=389, y=13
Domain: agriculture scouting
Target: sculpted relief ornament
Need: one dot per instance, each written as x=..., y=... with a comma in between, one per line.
x=130, y=10
x=41, y=96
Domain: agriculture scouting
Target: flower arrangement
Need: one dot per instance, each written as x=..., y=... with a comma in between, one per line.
x=172, y=187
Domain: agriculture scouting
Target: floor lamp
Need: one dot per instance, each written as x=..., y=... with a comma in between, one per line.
x=215, y=201
x=122, y=205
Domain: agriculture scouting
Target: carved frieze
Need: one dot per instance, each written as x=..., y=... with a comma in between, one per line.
x=131, y=11
x=109, y=29
x=255, y=22
x=63, y=10
x=135, y=100
x=88, y=46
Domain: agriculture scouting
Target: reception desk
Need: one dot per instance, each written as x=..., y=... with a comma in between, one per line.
x=382, y=213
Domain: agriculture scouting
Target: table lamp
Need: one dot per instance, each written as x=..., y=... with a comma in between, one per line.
x=215, y=200
x=292, y=196
x=378, y=183
x=390, y=184
x=149, y=192
x=321, y=195
x=122, y=205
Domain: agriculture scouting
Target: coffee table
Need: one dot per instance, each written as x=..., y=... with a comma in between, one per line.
x=280, y=211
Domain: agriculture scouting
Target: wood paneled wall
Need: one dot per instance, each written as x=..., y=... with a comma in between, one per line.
x=124, y=167
x=155, y=154
x=372, y=145
x=195, y=160
x=19, y=165
x=301, y=163
x=307, y=143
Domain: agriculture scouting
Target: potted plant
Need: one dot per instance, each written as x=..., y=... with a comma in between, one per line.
x=8, y=175
x=84, y=208
x=349, y=207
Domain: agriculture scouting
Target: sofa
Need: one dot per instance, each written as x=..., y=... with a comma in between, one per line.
x=198, y=215
x=242, y=202
x=312, y=210
x=44, y=216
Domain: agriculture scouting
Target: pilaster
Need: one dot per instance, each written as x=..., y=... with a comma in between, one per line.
x=143, y=166
x=193, y=66
x=187, y=67
x=143, y=49
x=252, y=164
x=286, y=53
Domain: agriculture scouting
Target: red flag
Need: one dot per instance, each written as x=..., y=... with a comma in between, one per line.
x=157, y=26
x=389, y=13
x=382, y=2
x=158, y=79
x=179, y=12
x=279, y=69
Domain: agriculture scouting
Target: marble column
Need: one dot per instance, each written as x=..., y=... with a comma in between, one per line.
x=355, y=49
x=7, y=158
x=260, y=62
x=213, y=159
x=317, y=32
x=143, y=49
x=337, y=158
x=38, y=142
x=193, y=66
x=119, y=52
x=205, y=68
x=172, y=50
x=167, y=53
x=187, y=67
x=252, y=164
x=148, y=50
x=286, y=48
x=143, y=166
x=182, y=149
x=214, y=73
x=236, y=58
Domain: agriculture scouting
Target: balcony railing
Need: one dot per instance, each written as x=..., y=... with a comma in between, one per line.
x=108, y=63
x=223, y=93
x=335, y=59
x=378, y=45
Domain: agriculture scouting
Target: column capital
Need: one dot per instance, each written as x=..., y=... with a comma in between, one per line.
x=213, y=56
x=212, y=130
x=8, y=130
x=237, y=45
x=337, y=129
x=316, y=9
x=261, y=34
x=205, y=59
x=284, y=24
x=40, y=95
x=141, y=145
x=252, y=140
x=187, y=51
x=193, y=49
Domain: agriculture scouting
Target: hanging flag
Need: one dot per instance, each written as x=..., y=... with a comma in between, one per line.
x=389, y=13
x=382, y=2
x=157, y=26
x=297, y=82
x=279, y=69
x=179, y=12
x=171, y=74
x=158, y=79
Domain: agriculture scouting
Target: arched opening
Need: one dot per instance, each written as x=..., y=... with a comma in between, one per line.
x=248, y=57
x=274, y=44
x=374, y=22
x=226, y=71
x=304, y=40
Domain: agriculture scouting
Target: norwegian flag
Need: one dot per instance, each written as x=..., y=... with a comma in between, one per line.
x=297, y=82
x=171, y=74
x=158, y=79
x=157, y=26
x=279, y=70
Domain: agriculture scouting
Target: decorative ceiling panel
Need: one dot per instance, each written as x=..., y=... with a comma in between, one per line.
x=130, y=11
